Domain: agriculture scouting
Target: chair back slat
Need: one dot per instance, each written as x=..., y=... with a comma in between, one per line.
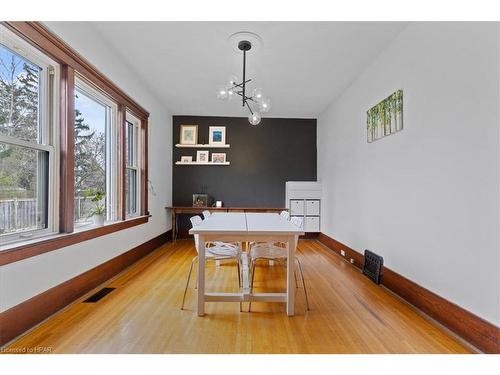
x=298, y=221
x=285, y=215
x=196, y=220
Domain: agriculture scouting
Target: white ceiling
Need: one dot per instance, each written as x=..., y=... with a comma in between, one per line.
x=301, y=66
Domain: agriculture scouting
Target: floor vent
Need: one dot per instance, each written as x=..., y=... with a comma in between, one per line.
x=99, y=295
x=373, y=266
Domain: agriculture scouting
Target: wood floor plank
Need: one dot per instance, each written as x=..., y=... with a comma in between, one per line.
x=349, y=314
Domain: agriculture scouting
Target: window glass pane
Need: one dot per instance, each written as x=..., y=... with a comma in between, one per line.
x=129, y=144
x=23, y=189
x=19, y=96
x=130, y=191
x=90, y=132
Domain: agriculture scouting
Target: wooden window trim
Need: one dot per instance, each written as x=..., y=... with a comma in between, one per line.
x=44, y=245
x=71, y=62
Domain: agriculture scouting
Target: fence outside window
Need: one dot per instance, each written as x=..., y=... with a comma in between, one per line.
x=22, y=214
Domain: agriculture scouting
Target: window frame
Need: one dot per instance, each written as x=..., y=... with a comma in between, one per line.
x=47, y=131
x=137, y=156
x=70, y=65
x=112, y=145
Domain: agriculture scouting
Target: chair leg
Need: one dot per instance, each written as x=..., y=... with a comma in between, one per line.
x=239, y=273
x=303, y=283
x=295, y=277
x=239, y=281
x=252, y=270
x=187, y=283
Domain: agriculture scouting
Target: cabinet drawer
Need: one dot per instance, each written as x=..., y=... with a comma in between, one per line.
x=296, y=207
x=312, y=207
x=311, y=224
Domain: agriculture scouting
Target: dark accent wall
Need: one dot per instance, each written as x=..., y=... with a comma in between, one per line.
x=262, y=157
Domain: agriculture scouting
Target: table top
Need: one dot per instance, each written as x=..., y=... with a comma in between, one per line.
x=248, y=222
x=257, y=209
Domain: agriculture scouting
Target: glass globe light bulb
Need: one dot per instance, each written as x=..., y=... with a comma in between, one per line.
x=231, y=94
x=257, y=94
x=233, y=80
x=265, y=105
x=254, y=118
x=222, y=93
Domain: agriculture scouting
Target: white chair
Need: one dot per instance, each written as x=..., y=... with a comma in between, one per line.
x=214, y=251
x=298, y=221
x=206, y=214
x=269, y=251
x=285, y=215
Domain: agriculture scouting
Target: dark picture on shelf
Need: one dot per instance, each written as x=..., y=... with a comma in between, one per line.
x=217, y=135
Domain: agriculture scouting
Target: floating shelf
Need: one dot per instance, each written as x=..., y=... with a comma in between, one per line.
x=201, y=163
x=201, y=146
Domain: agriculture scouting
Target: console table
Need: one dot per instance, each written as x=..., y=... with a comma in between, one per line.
x=183, y=210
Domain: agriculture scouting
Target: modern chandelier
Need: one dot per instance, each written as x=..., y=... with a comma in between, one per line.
x=233, y=88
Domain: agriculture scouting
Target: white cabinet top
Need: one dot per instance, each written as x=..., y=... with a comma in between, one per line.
x=303, y=185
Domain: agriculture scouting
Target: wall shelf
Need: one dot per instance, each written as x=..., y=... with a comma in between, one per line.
x=178, y=145
x=201, y=163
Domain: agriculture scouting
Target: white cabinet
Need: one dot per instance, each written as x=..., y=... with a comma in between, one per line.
x=296, y=207
x=312, y=207
x=303, y=199
x=311, y=224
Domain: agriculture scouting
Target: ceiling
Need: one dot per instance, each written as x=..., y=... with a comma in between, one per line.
x=301, y=66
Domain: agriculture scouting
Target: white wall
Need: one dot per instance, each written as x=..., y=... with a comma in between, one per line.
x=22, y=280
x=427, y=198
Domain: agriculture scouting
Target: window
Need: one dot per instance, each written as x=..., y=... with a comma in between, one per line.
x=132, y=175
x=95, y=152
x=65, y=131
x=27, y=148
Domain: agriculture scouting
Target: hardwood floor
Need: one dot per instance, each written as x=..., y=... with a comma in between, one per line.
x=349, y=314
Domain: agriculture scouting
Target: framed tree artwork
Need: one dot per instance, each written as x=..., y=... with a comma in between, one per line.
x=385, y=118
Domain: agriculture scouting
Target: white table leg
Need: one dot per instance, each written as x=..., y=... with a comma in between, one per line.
x=290, y=282
x=201, y=275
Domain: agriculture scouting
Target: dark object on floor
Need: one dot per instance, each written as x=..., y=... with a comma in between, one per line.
x=99, y=295
x=372, y=266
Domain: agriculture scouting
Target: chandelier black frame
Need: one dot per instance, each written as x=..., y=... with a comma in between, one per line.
x=244, y=46
x=241, y=89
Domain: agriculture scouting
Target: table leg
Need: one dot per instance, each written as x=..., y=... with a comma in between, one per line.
x=201, y=274
x=174, y=227
x=290, y=283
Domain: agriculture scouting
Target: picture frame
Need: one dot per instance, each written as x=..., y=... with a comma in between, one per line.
x=218, y=157
x=217, y=135
x=202, y=156
x=385, y=118
x=186, y=159
x=189, y=135
x=200, y=200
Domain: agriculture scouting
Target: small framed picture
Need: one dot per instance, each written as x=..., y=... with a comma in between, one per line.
x=186, y=159
x=217, y=135
x=200, y=200
x=218, y=157
x=189, y=135
x=202, y=156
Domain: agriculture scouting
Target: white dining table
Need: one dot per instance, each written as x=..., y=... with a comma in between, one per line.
x=241, y=227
